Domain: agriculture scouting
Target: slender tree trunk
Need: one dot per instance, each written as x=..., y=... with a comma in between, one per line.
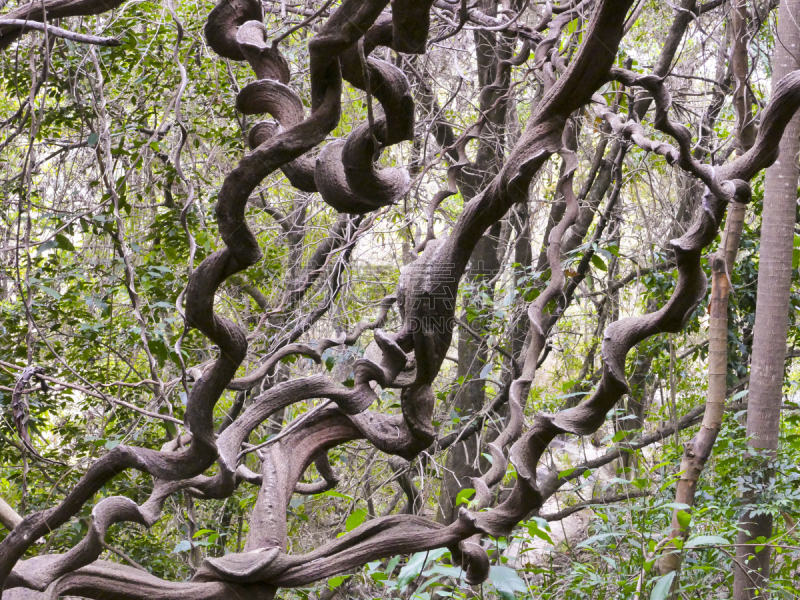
x=742, y=97
x=772, y=309
x=698, y=449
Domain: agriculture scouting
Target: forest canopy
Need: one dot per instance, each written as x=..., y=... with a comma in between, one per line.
x=412, y=299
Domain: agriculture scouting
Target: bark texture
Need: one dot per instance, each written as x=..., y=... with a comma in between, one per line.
x=751, y=573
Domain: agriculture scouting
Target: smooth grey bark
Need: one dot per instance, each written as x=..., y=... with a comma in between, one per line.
x=9, y=518
x=751, y=572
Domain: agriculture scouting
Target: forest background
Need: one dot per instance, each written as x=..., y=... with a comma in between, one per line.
x=339, y=299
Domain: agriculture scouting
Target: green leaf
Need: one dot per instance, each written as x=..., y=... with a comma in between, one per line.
x=335, y=582
x=64, y=242
x=566, y=473
x=93, y=139
x=49, y=291
x=596, y=538
x=182, y=546
x=390, y=566
x=356, y=518
x=335, y=494
x=535, y=530
x=454, y=572
x=738, y=395
x=796, y=252
x=464, y=496
x=506, y=582
x=599, y=263
x=684, y=518
x=675, y=506
x=705, y=540
x=620, y=435
x=563, y=396
x=659, y=465
x=202, y=532
x=662, y=587
x=428, y=583
x=416, y=564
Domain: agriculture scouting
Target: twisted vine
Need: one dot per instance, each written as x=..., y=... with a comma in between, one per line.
x=346, y=177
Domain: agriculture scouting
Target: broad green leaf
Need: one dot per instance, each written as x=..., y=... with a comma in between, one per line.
x=599, y=262
x=659, y=465
x=427, y=583
x=454, y=572
x=566, y=473
x=662, y=587
x=390, y=566
x=620, y=435
x=738, y=395
x=534, y=530
x=684, y=518
x=596, y=538
x=675, y=506
x=64, y=242
x=202, y=532
x=416, y=564
x=335, y=582
x=356, y=518
x=335, y=494
x=506, y=582
x=705, y=540
x=182, y=546
x=49, y=291
x=563, y=396
x=464, y=496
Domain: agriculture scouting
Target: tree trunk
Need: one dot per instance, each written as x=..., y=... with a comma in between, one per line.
x=698, y=449
x=772, y=310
